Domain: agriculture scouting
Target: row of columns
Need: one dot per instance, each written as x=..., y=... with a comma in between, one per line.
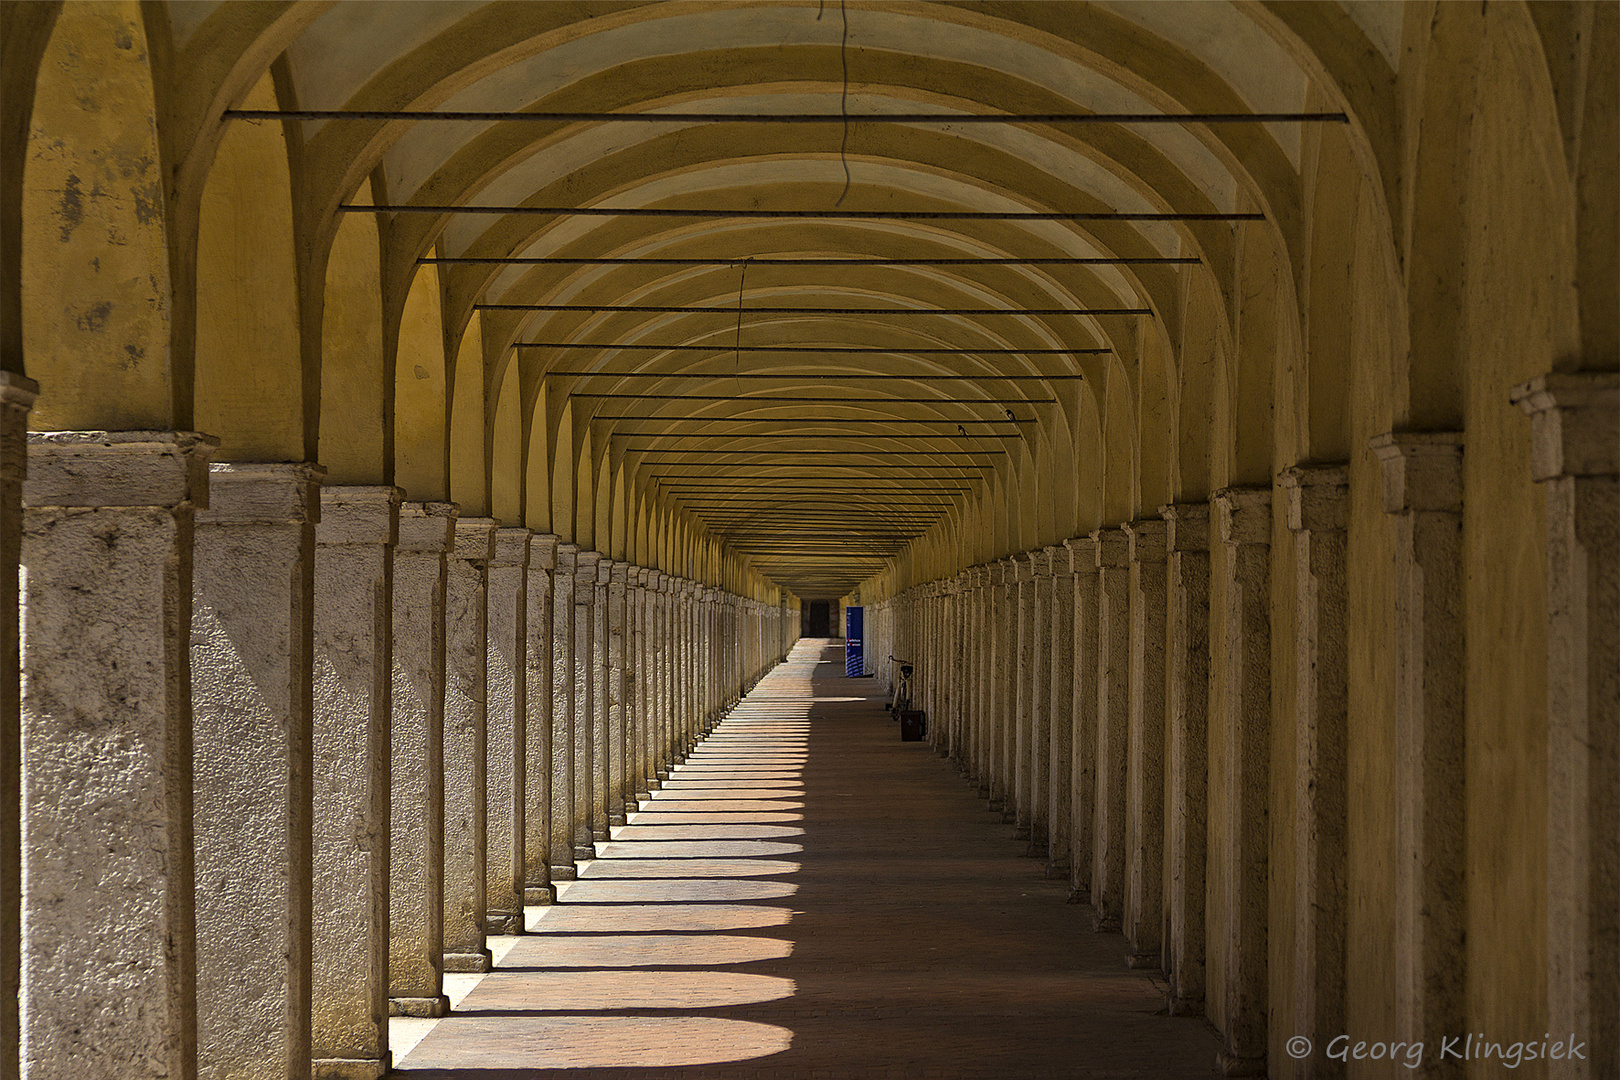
x=1112, y=697
x=290, y=752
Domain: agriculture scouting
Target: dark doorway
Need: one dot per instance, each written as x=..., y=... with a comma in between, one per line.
x=817, y=619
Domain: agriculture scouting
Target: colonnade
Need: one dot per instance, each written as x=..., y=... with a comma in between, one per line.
x=1140, y=701
x=292, y=752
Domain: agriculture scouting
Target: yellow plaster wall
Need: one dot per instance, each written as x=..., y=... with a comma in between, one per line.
x=421, y=457
x=354, y=390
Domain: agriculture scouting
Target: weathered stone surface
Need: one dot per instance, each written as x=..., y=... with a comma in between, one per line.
x=466, y=638
x=506, y=717
x=416, y=773
x=1060, y=823
x=584, y=728
x=562, y=713
x=1113, y=659
x=1144, y=779
x=620, y=747
x=106, y=794
x=251, y=652
x=352, y=680
x=601, y=743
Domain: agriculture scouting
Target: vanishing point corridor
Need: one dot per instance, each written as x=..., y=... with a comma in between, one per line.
x=807, y=896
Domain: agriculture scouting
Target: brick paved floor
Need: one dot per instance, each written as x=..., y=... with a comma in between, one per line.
x=810, y=897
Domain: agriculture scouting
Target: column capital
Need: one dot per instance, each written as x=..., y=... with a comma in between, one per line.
x=604, y=570
x=17, y=391
x=585, y=563
x=1243, y=514
x=263, y=493
x=1422, y=470
x=1082, y=554
x=654, y=579
x=1572, y=423
x=1023, y=568
x=117, y=468
x=567, y=556
x=511, y=547
x=1186, y=526
x=1113, y=547
x=622, y=573
x=543, y=551
x=1148, y=539
x=475, y=539
x=1040, y=562
x=427, y=527
x=358, y=515
x=1316, y=497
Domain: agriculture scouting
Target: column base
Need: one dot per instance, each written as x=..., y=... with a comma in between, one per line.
x=1010, y=817
x=600, y=836
x=1138, y=960
x=1105, y=923
x=584, y=854
x=352, y=1068
x=1057, y=871
x=1234, y=1065
x=652, y=783
x=539, y=895
x=995, y=803
x=1079, y=896
x=632, y=805
x=503, y=922
x=564, y=872
x=663, y=774
x=424, y=1007
x=1183, y=1006
x=615, y=821
x=1036, y=849
x=468, y=963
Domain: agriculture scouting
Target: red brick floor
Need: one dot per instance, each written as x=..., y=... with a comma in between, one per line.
x=810, y=897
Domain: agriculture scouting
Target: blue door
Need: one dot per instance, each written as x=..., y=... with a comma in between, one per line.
x=854, y=656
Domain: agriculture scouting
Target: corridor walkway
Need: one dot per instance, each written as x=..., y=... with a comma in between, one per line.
x=810, y=897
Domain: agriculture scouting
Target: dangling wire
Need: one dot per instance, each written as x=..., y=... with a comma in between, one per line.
x=843, y=102
x=736, y=356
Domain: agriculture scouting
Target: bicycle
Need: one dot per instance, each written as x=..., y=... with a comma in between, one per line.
x=900, y=700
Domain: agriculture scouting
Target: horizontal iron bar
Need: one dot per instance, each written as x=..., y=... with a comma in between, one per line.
x=787, y=215
x=679, y=309
x=803, y=419
x=658, y=260
x=489, y=116
x=817, y=400
x=833, y=349
x=659, y=456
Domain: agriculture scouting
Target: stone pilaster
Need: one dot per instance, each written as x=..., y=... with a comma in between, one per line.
x=658, y=671
x=647, y=766
x=106, y=792
x=1574, y=454
x=601, y=742
x=1318, y=506
x=1422, y=474
x=416, y=774
x=505, y=763
x=353, y=680
x=539, y=754
x=620, y=665
x=983, y=657
x=1083, y=551
x=1006, y=689
x=16, y=398
x=1241, y=721
x=1187, y=673
x=1060, y=821
x=562, y=713
x=583, y=838
x=251, y=652
x=1113, y=659
x=1144, y=771
x=466, y=676
x=1040, y=721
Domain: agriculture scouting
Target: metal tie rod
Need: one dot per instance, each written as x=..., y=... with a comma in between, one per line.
x=489, y=117
x=816, y=400
x=801, y=420
x=812, y=349
x=659, y=260
x=788, y=215
x=687, y=309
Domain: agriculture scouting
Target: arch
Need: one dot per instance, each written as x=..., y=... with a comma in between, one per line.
x=421, y=414
x=356, y=436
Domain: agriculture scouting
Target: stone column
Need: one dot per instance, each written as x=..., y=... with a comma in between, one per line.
x=646, y=685
x=1187, y=673
x=601, y=745
x=563, y=683
x=1241, y=721
x=1113, y=659
x=621, y=665
x=353, y=676
x=1573, y=453
x=106, y=794
x=1023, y=691
x=584, y=819
x=1005, y=598
x=416, y=774
x=1040, y=770
x=1144, y=770
x=657, y=645
x=16, y=398
x=1060, y=696
x=1083, y=763
x=539, y=754
x=1318, y=505
x=983, y=665
x=1422, y=474
x=505, y=764
x=466, y=678
x=251, y=646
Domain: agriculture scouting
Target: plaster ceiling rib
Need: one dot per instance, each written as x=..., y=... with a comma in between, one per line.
x=684, y=118
x=750, y=260
x=747, y=213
